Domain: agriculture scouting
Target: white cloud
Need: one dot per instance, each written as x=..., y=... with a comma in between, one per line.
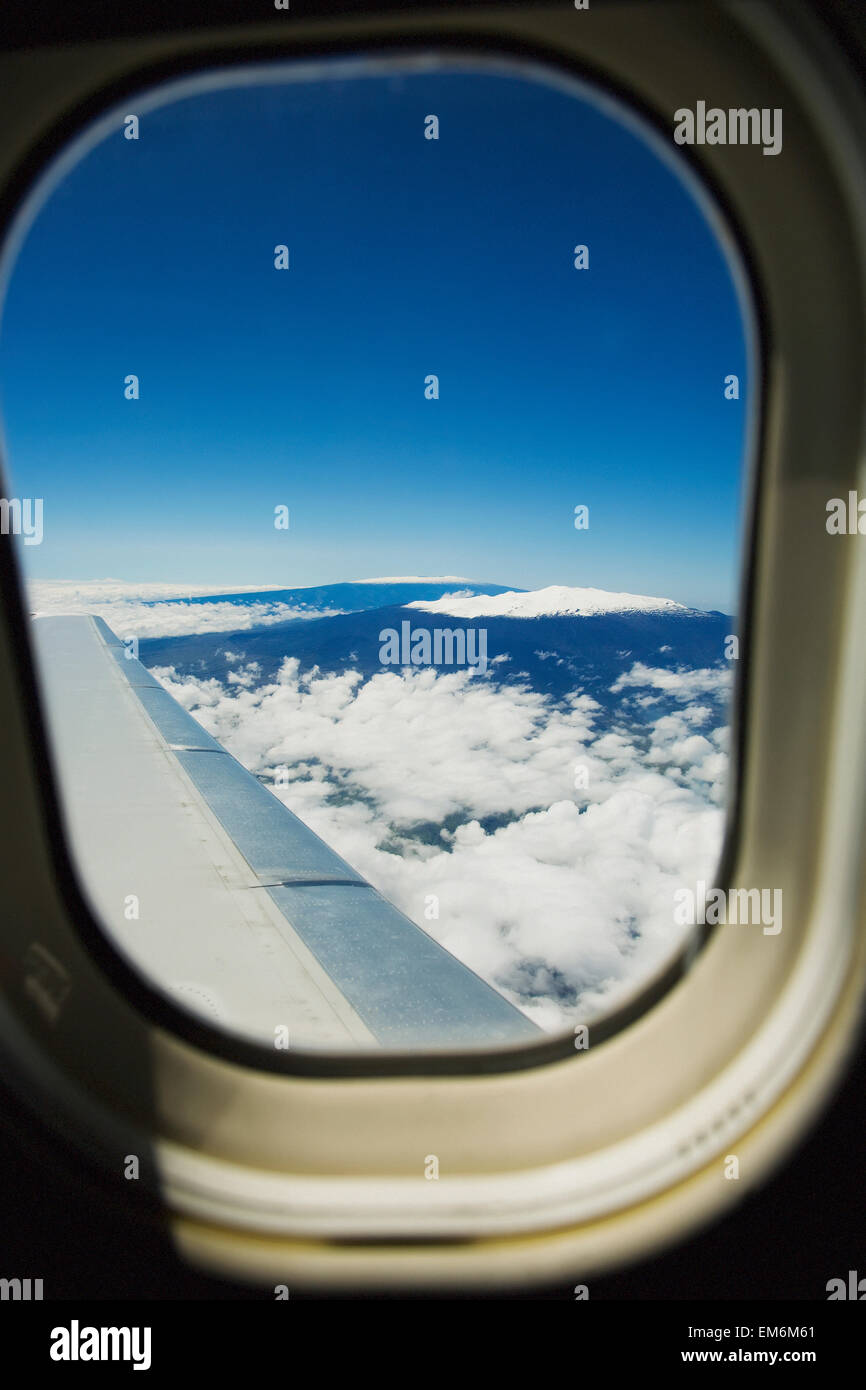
x=562, y=898
x=247, y=677
x=77, y=593
x=124, y=607
x=683, y=684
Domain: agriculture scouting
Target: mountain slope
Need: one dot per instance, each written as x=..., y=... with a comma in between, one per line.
x=555, y=653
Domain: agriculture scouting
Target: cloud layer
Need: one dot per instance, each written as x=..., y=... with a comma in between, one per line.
x=549, y=840
x=169, y=613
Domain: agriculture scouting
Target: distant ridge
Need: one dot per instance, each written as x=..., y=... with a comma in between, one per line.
x=416, y=579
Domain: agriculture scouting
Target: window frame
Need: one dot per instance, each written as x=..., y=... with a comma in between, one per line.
x=344, y=1152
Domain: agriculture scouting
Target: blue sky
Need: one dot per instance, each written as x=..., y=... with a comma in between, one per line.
x=306, y=387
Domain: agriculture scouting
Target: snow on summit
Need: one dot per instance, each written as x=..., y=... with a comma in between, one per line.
x=554, y=601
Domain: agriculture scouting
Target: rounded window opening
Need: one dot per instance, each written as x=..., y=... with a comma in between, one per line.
x=374, y=437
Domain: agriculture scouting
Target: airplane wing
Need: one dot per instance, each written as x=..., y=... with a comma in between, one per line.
x=218, y=893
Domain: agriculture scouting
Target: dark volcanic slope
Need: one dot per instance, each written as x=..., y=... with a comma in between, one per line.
x=351, y=597
x=552, y=654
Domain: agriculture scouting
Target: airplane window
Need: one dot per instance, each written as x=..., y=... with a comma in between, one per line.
x=375, y=434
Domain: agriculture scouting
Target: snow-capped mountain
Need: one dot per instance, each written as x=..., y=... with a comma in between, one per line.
x=555, y=601
x=557, y=640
